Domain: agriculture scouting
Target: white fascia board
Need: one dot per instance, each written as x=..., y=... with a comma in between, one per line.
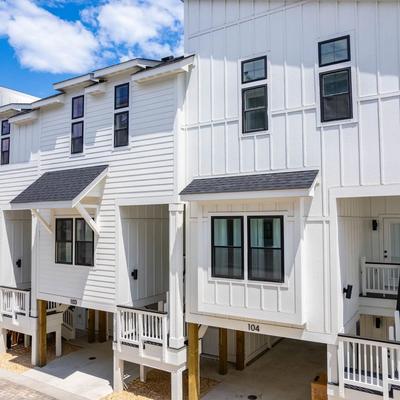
x=50, y=101
x=77, y=81
x=163, y=71
x=89, y=188
x=262, y=194
x=24, y=118
x=12, y=108
x=98, y=88
x=41, y=205
x=124, y=67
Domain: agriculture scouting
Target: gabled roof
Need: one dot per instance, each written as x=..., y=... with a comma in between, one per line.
x=65, y=186
x=300, y=181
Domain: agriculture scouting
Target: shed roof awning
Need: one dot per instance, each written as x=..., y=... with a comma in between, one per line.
x=275, y=184
x=60, y=189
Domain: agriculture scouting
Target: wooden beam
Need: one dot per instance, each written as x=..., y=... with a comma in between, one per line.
x=91, y=325
x=223, y=351
x=39, y=216
x=89, y=220
x=42, y=332
x=240, y=350
x=193, y=362
x=102, y=326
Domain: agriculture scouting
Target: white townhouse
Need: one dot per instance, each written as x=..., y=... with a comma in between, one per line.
x=293, y=181
x=91, y=221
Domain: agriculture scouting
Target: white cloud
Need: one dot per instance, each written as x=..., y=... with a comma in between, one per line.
x=44, y=42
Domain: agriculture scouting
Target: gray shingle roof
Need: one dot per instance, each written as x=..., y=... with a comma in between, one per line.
x=62, y=185
x=250, y=183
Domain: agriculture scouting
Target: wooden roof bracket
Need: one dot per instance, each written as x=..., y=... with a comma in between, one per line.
x=89, y=220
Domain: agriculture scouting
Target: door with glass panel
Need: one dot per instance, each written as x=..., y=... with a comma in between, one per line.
x=391, y=240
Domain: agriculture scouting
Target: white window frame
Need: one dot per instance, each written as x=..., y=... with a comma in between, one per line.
x=245, y=280
x=336, y=67
x=249, y=85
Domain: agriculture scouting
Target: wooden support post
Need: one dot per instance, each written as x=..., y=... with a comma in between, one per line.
x=223, y=351
x=102, y=326
x=42, y=332
x=91, y=325
x=240, y=350
x=193, y=362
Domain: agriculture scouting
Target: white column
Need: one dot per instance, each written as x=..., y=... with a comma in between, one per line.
x=3, y=340
x=176, y=316
x=34, y=347
x=58, y=342
x=34, y=264
x=118, y=373
x=143, y=373
x=176, y=385
x=332, y=363
x=27, y=340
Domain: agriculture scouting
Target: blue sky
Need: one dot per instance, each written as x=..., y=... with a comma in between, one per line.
x=45, y=41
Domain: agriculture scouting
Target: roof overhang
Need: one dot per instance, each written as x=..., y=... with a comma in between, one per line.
x=130, y=66
x=255, y=186
x=24, y=117
x=82, y=80
x=163, y=71
x=51, y=101
x=11, y=109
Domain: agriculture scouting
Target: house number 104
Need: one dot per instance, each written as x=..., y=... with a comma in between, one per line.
x=253, y=328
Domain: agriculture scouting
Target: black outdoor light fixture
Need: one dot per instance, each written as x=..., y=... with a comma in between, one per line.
x=347, y=291
x=374, y=225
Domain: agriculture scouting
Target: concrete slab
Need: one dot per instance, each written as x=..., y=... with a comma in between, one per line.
x=284, y=372
x=86, y=372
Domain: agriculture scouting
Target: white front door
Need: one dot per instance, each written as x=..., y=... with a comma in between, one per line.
x=391, y=240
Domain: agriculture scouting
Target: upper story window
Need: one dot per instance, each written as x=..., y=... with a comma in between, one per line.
x=5, y=151
x=121, y=99
x=334, y=51
x=254, y=95
x=64, y=231
x=78, y=107
x=254, y=70
x=84, y=243
x=5, y=127
x=77, y=137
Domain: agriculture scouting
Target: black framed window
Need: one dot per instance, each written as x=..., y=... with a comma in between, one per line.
x=121, y=129
x=255, y=112
x=78, y=107
x=265, y=248
x=121, y=96
x=227, y=247
x=336, y=95
x=84, y=243
x=254, y=70
x=64, y=232
x=334, y=51
x=5, y=151
x=77, y=137
x=5, y=127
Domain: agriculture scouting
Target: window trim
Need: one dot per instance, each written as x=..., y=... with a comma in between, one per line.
x=115, y=130
x=71, y=241
x=347, y=37
x=282, y=248
x=264, y=58
x=241, y=218
x=3, y=152
x=115, y=96
x=321, y=97
x=83, y=137
x=9, y=128
x=83, y=106
x=265, y=87
x=80, y=241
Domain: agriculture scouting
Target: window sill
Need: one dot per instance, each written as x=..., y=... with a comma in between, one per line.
x=337, y=122
x=244, y=135
x=244, y=282
x=126, y=148
x=77, y=155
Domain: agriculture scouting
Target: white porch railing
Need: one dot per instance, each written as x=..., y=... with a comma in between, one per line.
x=379, y=278
x=368, y=364
x=139, y=326
x=14, y=302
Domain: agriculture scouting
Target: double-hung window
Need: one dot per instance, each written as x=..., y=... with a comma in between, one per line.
x=335, y=84
x=254, y=95
x=121, y=118
x=77, y=127
x=262, y=259
x=5, y=127
x=74, y=242
x=5, y=142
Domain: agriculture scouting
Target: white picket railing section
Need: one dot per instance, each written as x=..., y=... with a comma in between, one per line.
x=379, y=278
x=138, y=327
x=368, y=364
x=14, y=302
x=51, y=306
x=68, y=319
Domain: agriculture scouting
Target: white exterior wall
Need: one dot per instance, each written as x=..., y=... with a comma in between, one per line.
x=8, y=96
x=360, y=152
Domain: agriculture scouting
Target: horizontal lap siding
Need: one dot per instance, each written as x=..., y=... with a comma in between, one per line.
x=145, y=169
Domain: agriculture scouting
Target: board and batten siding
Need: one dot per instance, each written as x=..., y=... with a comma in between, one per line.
x=144, y=169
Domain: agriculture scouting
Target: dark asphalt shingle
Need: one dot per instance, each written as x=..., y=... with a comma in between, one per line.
x=62, y=185
x=250, y=183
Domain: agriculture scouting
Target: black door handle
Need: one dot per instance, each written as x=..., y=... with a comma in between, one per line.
x=135, y=274
x=19, y=263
